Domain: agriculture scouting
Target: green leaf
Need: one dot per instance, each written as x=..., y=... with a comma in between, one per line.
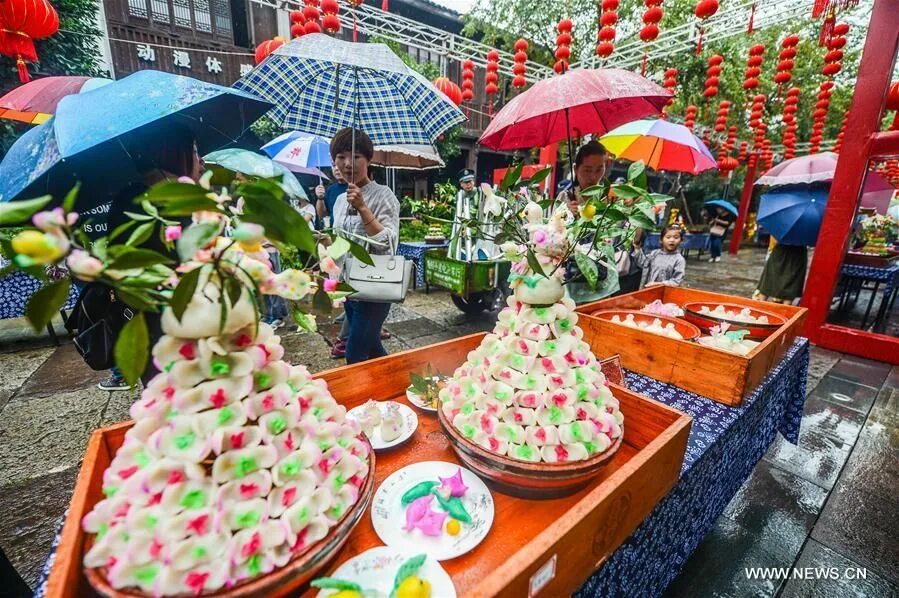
x=610, y=283
x=338, y=248
x=281, y=222
x=540, y=175
x=99, y=248
x=596, y=191
x=234, y=290
x=68, y=204
x=453, y=505
x=408, y=569
x=137, y=216
x=149, y=208
x=132, y=349
x=418, y=490
x=635, y=170
x=659, y=197
x=196, y=237
x=332, y=583
x=139, y=299
x=512, y=177
x=169, y=191
x=117, y=231
x=360, y=253
x=534, y=264
x=640, y=220
x=613, y=214
x=138, y=258
x=19, y=212
x=626, y=191
x=305, y=321
x=588, y=268
x=321, y=303
x=46, y=302
x=184, y=291
x=140, y=235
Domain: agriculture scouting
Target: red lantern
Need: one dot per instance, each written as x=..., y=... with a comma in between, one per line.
x=520, y=68
x=491, y=79
x=467, y=80
x=606, y=34
x=450, y=89
x=297, y=21
x=786, y=64
x=670, y=83
x=22, y=22
x=267, y=47
x=650, y=30
x=330, y=22
x=704, y=10
x=690, y=117
x=753, y=67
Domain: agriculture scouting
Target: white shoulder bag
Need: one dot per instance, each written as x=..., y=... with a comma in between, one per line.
x=387, y=281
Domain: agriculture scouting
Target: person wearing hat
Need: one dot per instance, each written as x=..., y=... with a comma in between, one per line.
x=467, y=204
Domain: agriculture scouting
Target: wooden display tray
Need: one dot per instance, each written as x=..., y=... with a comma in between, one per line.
x=709, y=372
x=561, y=541
x=854, y=258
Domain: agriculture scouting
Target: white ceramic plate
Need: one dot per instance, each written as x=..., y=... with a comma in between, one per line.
x=375, y=570
x=417, y=400
x=410, y=422
x=388, y=514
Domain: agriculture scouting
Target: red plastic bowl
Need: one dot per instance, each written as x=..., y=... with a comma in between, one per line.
x=756, y=331
x=686, y=329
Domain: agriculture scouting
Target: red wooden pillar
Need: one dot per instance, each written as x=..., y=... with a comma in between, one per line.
x=550, y=155
x=745, y=200
x=865, y=143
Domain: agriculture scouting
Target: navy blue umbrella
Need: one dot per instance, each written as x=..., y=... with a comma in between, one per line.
x=793, y=216
x=722, y=203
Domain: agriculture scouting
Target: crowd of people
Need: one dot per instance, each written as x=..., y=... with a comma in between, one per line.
x=368, y=212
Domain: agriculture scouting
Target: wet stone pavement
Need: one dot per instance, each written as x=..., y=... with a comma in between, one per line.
x=829, y=502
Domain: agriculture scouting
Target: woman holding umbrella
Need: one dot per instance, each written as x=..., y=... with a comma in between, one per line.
x=720, y=216
x=589, y=168
x=371, y=211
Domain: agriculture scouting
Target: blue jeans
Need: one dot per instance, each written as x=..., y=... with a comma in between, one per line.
x=275, y=307
x=715, y=244
x=365, y=320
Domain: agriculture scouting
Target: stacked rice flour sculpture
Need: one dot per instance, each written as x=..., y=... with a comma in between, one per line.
x=533, y=389
x=237, y=462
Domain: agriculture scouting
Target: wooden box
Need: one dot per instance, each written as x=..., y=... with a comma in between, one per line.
x=709, y=372
x=561, y=541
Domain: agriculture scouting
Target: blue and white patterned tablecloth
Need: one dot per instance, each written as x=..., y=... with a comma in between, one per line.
x=17, y=288
x=415, y=251
x=889, y=275
x=724, y=445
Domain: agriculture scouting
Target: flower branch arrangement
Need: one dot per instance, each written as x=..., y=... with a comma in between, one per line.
x=545, y=241
x=209, y=245
x=879, y=232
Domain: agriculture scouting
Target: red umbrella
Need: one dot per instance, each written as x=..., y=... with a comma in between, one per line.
x=36, y=101
x=580, y=102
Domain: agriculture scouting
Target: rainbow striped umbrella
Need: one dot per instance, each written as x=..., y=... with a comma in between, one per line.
x=35, y=102
x=661, y=145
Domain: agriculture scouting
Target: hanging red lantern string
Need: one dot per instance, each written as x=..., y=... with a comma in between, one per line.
x=789, y=119
x=670, y=83
x=753, y=67
x=834, y=56
x=707, y=138
x=767, y=154
x=785, y=61
x=467, y=82
x=450, y=89
x=650, y=30
x=690, y=117
x=296, y=23
x=491, y=79
x=721, y=120
x=726, y=164
x=705, y=9
x=750, y=27
x=606, y=35
x=520, y=67
x=819, y=116
x=22, y=22
x=563, y=45
x=744, y=149
x=356, y=4
x=267, y=47
x=311, y=14
x=330, y=20
x=712, y=78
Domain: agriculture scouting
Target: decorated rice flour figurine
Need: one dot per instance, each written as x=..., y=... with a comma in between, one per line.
x=391, y=423
x=237, y=463
x=728, y=340
x=371, y=417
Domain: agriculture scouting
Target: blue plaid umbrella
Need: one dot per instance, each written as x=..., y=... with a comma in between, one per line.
x=320, y=85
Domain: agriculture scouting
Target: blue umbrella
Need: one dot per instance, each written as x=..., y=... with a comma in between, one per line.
x=300, y=152
x=95, y=135
x=256, y=165
x=320, y=85
x=722, y=203
x=793, y=216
